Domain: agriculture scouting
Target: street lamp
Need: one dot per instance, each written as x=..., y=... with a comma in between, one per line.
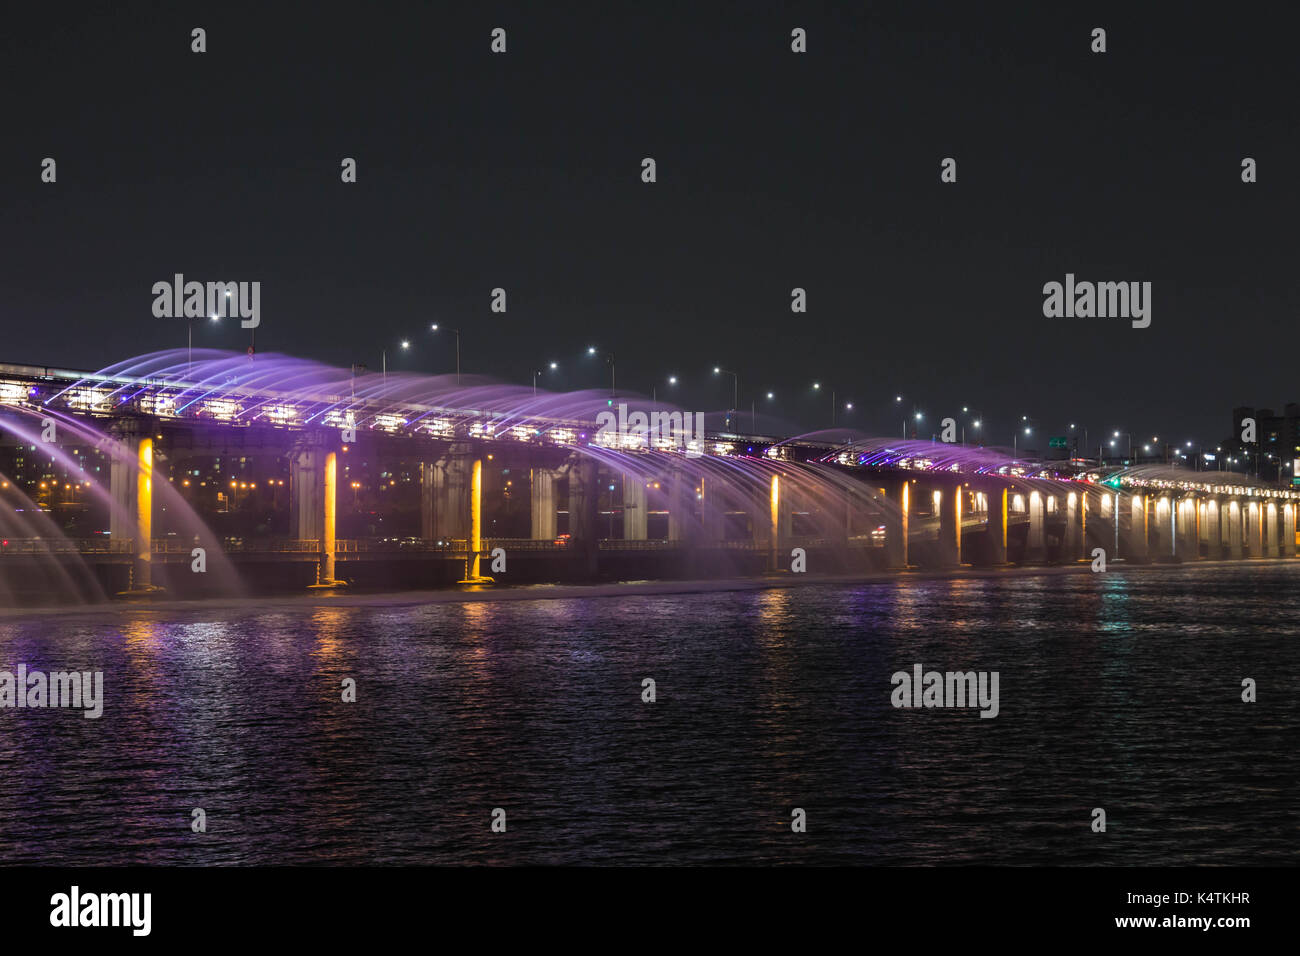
x=383, y=357
x=554, y=366
x=456, y=332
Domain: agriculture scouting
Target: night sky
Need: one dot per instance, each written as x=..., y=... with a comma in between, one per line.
x=775, y=170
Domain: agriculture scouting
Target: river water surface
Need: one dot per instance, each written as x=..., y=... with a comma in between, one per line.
x=1119, y=691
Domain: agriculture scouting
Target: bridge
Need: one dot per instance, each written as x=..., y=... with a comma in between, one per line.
x=127, y=471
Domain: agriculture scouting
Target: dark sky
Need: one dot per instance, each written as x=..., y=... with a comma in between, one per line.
x=775, y=170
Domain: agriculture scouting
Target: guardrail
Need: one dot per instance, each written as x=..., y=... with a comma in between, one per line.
x=66, y=546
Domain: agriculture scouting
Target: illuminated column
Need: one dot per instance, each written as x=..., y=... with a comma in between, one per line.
x=634, y=505
x=1073, y=543
x=1036, y=542
x=1272, y=541
x=1189, y=542
x=897, y=513
x=1254, y=530
x=950, y=526
x=774, y=523
x=144, y=514
x=1288, y=530
x=313, y=493
x=474, y=538
x=131, y=488
x=543, y=504
x=1211, y=531
x=1236, y=519
x=329, y=519
x=1137, y=529
x=997, y=525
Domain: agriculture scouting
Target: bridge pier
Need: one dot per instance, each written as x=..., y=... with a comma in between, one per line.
x=313, y=492
x=1210, y=531
x=1136, y=538
x=896, y=524
x=1254, y=544
x=584, y=511
x=634, y=508
x=1235, y=522
x=1272, y=541
x=1036, y=541
x=1288, y=530
x=950, y=526
x=131, y=488
x=1189, y=539
x=997, y=526
x=1072, y=544
x=543, y=510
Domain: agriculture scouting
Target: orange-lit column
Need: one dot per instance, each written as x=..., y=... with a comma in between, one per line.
x=330, y=517
x=475, y=518
x=144, y=515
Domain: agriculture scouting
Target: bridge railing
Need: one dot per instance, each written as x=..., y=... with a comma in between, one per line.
x=102, y=545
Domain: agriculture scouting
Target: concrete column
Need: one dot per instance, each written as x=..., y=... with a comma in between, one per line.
x=634, y=508
x=1254, y=544
x=1136, y=539
x=1212, y=532
x=896, y=524
x=997, y=525
x=1189, y=541
x=584, y=509
x=1272, y=520
x=1036, y=542
x=1073, y=543
x=313, y=491
x=950, y=526
x=428, y=499
x=543, y=504
x=1288, y=530
x=1236, y=519
x=131, y=487
x=474, y=523
x=452, y=487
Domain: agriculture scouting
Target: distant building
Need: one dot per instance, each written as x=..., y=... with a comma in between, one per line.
x=1277, y=442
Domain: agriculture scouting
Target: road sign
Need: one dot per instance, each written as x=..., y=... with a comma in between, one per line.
x=1058, y=442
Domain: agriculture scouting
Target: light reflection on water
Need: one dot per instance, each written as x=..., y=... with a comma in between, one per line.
x=1119, y=690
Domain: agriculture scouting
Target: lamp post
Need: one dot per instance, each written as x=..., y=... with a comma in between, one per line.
x=735, y=389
